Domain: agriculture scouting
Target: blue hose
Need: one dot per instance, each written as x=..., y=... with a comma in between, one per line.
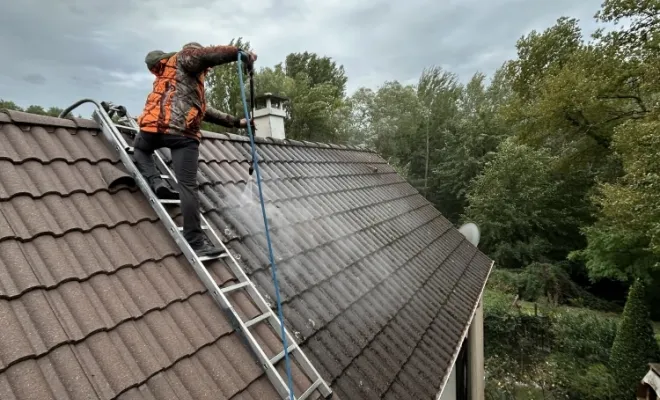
x=263, y=212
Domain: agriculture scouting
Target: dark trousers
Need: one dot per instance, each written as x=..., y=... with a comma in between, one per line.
x=185, y=153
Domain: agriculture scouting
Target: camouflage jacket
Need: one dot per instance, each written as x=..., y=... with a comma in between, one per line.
x=177, y=103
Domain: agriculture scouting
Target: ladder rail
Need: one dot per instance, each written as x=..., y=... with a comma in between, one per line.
x=242, y=277
x=109, y=131
x=235, y=267
x=112, y=132
x=303, y=360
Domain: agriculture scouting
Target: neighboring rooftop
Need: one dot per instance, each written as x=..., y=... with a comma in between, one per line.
x=649, y=386
x=655, y=367
x=97, y=301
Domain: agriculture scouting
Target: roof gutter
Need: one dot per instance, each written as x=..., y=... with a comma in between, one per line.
x=454, y=356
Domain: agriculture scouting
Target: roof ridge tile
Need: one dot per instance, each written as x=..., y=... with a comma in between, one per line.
x=22, y=117
x=283, y=142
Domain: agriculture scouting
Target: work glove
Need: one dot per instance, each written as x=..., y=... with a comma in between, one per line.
x=242, y=123
x=248, y=58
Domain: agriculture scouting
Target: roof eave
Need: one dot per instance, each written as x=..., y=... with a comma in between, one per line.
x=454, y=356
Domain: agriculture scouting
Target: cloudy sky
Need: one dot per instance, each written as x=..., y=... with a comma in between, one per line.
x=55, y=52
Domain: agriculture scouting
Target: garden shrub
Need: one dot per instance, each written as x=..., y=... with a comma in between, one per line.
x=505, y=281
x=584, y=334
x=635, y=345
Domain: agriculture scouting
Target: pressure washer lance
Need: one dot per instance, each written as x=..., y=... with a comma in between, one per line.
x=249, y=69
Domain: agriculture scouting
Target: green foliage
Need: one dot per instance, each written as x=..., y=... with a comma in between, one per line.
x=634, y=346
x=577, y=381
x=625, y=242
x=539, y=53
x=640, y=37
x=584, y=335
x=314, y=112
x=223, y=89
x=9, y=105
x=469, y=143
x=315, y=86
x=505, y=281
x=318, y=71
x=521, y=206
x=559, y=353
x=33, y=109
x=396, y=113
x=547, y=283
x=360, y=124
x=541, y=280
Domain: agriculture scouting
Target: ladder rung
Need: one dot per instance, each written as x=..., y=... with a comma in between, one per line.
x=280, y=356
x=311, y=389
x=204, y=227
x=128, y=128
x=169, y=201
x=258, y=319
x=165, y=177
x=211, y=258
x=234, y=287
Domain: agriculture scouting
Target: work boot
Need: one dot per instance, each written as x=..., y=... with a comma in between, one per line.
x=206, y=249
x=165, y=193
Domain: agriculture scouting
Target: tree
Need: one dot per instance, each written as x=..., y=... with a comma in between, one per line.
x=634, y=345
x=540, y=53
x=223, y=88
x=274, y=80
x=55, y=112
x=360, y=126
x=314, y=112
x=9, y=105
x=438, y=92
x=315, y=86
x=36, y=110
x=523, y=207
x=33, y=109
x=318, y=70
x=639, y=39
x=625, y=241
x=396, y=117
x=471, y=141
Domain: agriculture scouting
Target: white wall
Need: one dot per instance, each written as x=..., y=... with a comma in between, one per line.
x=449, y=393
x=476, y=370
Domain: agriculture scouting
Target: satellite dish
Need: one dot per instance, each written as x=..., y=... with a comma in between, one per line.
x=471, y=233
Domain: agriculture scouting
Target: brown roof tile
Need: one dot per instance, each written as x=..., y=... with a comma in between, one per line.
x=99, y=302
x=97, y=299
x=373, y=278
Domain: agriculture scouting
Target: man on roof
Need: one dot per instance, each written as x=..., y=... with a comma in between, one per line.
x=172, y=118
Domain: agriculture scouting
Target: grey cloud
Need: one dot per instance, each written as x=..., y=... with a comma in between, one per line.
x=399, y=44
x=90, y=48
x=86, y=81
x=36, y=79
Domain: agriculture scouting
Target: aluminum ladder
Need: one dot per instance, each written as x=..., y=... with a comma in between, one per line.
x=126, y=124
